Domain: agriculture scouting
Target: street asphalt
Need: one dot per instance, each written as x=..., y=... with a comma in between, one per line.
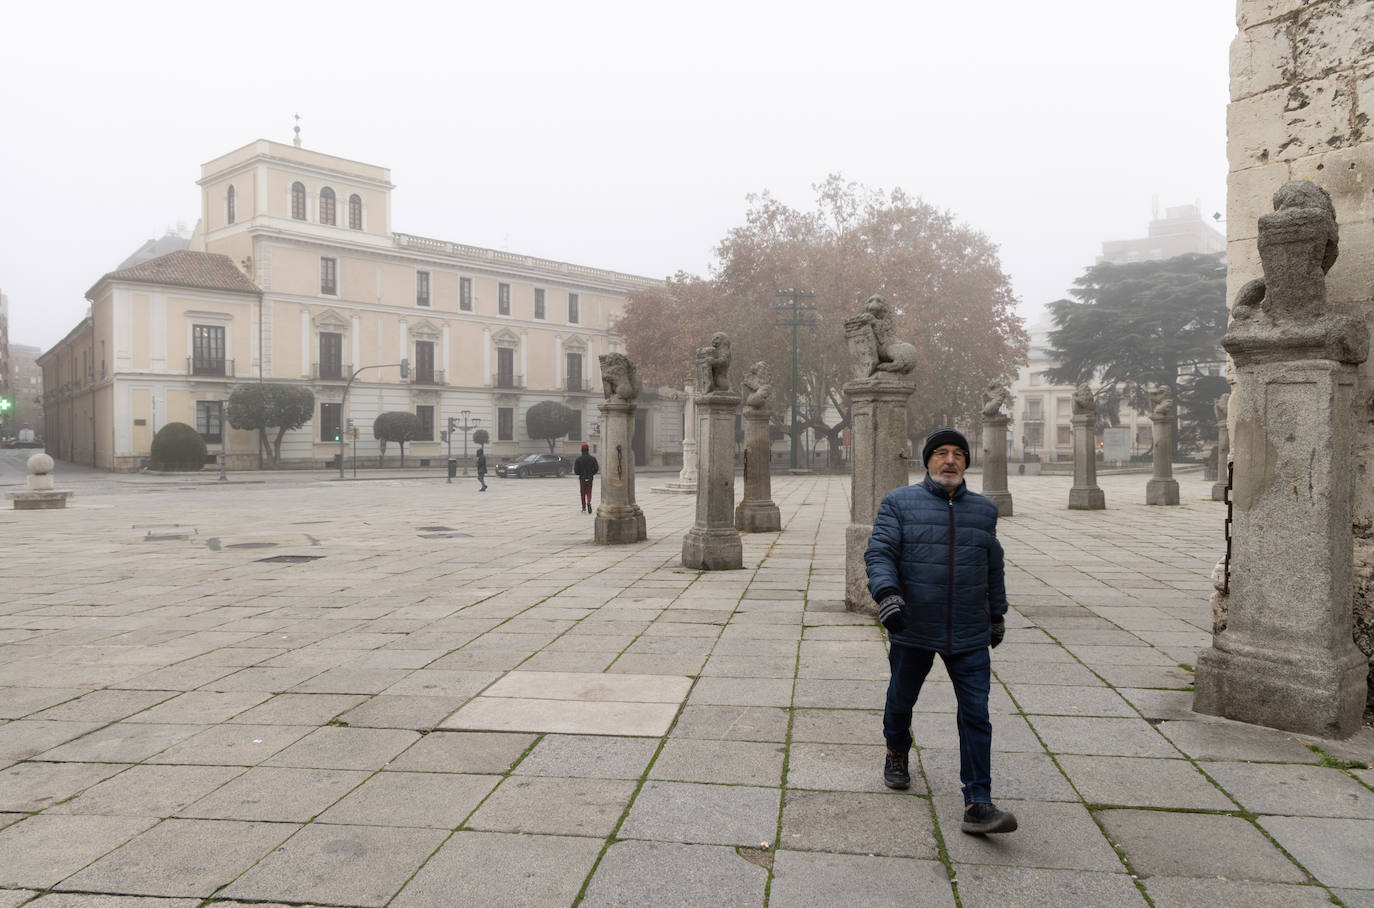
x=287, y=689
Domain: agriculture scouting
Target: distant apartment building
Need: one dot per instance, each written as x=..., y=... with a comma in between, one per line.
x=1041, y=419
x=26, y=389
x=294, y=275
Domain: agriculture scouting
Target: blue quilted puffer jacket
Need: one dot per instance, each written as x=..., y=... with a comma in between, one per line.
x=940, y=552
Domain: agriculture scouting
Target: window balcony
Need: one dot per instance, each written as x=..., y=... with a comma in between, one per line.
x=507, y=380
x=330, y=371
x=427, y=377
x=218, y=368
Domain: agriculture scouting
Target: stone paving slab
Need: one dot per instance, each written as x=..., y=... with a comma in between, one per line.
x=170, y=715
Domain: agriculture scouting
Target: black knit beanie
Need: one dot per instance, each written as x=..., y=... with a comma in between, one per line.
x=945, y=436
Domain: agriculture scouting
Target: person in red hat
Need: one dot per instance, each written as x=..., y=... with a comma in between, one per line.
x=586, y=467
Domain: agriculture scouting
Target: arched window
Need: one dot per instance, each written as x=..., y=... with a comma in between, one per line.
x=229, y=205
x=298, y=201
x=327, y=206
x=355, y=212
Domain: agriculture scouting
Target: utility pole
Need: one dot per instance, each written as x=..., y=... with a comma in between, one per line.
x=795, y=313
x=343, y=406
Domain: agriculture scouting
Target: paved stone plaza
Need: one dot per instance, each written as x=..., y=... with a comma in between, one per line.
x=461, y=701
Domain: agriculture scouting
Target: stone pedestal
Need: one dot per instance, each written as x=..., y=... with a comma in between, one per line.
x=713, y=543
x=1162, y=487
x=877, y=412
x=1084, y=494
x=995, y=464
x=1223, y=458
x=1286, y=658
x=618, y=518
x=756, y=512
x=39, y=494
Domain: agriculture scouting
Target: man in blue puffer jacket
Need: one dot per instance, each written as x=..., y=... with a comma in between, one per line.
x=935, y=570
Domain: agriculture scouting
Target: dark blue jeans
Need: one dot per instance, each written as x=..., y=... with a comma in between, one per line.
x=971, y=673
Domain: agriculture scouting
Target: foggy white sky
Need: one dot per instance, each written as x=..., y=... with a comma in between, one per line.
x=621, y=135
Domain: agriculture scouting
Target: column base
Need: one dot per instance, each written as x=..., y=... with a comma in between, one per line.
x=712, y=550
x=619, y=525
x=1218, y=491
x=1087, y=498
x=856, y=597
x=1161, y=491
x=758, y=517
x=1002, y=500
x=1313, y=693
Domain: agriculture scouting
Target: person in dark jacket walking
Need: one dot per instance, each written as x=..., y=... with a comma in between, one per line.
x=935, y=568
x=585, y=467
x=482, y=469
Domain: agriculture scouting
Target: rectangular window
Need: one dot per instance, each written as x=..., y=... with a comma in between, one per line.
x=575, y=429
x=574, y=371
x=207, y=350
x=1034, y=379
x=1034, y=408
x=330, y=423
x=329, y=276
x=426, y=414
x=1063, y=436
x=505, y=424
x=503, y=299
x=1063, y=404
x=505, y=368
x=210, y=420
x=1035, y=437
x=465, y=294
x=572, y=309
x=539, y=303
x=331, y=355
x=424, y=362
x=422, y=288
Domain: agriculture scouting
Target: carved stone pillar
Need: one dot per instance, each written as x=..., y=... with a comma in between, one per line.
x=688, y=477
x=1085, y=494
x=995, y=464
x=618, y=518
x=877, y=412
x=1286, y=658
x=1162, y=488
x=713, y=543
x=1223, y=449
x=756, y=512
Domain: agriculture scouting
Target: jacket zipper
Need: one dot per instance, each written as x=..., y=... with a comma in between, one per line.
x=949, y=607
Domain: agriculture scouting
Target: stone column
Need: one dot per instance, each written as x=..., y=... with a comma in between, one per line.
x=756, y=512
x=1221, y=408
x=1162, y=487
x=688, y=477
x=995, y=463
x=1085, y=495
x=878, y=427
x=713, y=543
x=1286, y=658
x=618, y=519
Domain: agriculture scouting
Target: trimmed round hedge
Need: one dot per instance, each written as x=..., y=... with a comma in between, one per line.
x=177, y=446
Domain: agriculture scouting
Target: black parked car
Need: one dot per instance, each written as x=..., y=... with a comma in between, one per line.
x=535, y=465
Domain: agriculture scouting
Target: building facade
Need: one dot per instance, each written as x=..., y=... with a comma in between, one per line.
x=294, y=275
x=26, y=391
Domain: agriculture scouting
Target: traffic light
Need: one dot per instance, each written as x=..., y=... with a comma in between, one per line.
x=452, y=424
x=405, y=368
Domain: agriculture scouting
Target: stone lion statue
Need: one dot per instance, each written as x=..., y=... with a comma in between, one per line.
x=1298, y=242
x=618, y=376
x=1084, y=401
x=713, y=365
x=758, y=387
x=1161, y=403
x=995, y=397
x=873, y=342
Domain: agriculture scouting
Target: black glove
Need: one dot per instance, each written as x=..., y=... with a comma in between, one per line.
x=997, y=632
x=890, y=613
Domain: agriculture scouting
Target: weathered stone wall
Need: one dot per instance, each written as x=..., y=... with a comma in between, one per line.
x=1302, y=92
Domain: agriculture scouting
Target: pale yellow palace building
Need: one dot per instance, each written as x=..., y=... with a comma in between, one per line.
x=295, y=275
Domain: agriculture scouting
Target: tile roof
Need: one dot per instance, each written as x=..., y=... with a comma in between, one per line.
x=204, y=270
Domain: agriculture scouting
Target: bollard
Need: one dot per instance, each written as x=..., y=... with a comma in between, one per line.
x=452, y=468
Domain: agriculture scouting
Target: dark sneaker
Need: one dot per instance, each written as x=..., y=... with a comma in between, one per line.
x=895, y=774
x=980, y=819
